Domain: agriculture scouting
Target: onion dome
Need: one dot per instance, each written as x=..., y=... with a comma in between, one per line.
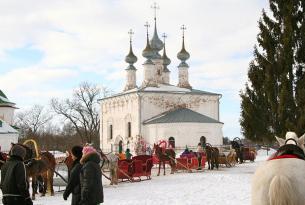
x=148, y=51
x=183, y=55
x=166, y=60
x=156, y=43
x=131, y=58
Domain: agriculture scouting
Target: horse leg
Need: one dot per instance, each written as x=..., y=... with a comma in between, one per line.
x=50, y=181
x=45, y=184
x=164, y=167
x=115, y=176
x=159, y=168
x=34, y=187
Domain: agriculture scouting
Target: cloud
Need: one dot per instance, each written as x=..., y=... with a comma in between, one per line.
x=80, y=37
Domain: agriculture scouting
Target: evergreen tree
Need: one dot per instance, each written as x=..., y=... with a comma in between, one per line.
x=270, y=103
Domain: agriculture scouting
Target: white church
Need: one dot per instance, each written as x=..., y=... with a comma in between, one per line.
x=158, y=110
x=8, y=133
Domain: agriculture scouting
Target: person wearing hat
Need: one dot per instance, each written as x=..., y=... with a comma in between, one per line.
x=14, y=184
x=73, y=185
x=91, y=177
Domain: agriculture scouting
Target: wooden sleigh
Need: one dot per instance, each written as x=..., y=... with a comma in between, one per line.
x=133, y=170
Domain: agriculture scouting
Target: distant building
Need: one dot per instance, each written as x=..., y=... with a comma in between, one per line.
x=157, y=110
x=8, y=133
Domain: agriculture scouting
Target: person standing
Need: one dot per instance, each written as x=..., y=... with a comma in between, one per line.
x=128, y=154
x=14, y=184
x=199, y=154
x=73, y=185
x=91, y=177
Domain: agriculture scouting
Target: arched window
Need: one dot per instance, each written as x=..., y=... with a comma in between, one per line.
x=110, y=132
x=171, y=142
x=120, y=146
x=129, y=129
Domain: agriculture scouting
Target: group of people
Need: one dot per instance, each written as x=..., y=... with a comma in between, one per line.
x=190, y=154
x=84, y=183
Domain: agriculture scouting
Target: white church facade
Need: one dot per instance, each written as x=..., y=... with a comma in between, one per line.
x=157, y=110
x=8, y=133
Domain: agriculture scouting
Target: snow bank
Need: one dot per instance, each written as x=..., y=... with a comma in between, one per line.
x=225, y=186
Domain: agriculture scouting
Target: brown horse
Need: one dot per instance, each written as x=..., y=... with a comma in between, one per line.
x=164, y=155
x=212, y=156
x=44, y=166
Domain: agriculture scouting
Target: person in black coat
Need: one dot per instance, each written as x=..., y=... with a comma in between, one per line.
x=91, y=177
x=14, y=184
x=73, y=185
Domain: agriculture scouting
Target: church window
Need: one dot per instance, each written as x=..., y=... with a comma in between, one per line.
x=171, y=142
x=110, y=132
x=129, y=129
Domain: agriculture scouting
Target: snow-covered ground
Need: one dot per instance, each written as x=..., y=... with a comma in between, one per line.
x=224, y=186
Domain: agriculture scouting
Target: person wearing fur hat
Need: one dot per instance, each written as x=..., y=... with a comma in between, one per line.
x=14, y=184
x=91, y=177
x=73, y=185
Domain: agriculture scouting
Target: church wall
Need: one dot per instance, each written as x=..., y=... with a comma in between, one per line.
x=185, y=133
x=7, y=114
x=153, y=104
x=118, y=111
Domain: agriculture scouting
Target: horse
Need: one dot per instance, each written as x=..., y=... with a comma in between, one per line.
x=238, y=146
x=110, y=160
x=163, y=156
x=280, y=181
x=44, y=166
x=232, y=157
x=212, y=156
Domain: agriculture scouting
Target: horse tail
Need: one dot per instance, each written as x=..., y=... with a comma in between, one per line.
x=281, y=191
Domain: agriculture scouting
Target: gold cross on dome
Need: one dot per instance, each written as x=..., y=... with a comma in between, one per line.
x=155, y=7
x=183, y=28
x=164, y=37
x=130, y=32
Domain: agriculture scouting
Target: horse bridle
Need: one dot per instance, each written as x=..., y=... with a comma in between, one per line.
x=296, y=143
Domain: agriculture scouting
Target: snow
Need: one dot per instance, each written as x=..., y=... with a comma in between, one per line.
x=168, y=88
x=225, y=186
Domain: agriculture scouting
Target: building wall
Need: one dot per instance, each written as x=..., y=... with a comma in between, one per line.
x=7, y=114
x=138, y=107
x=185, y=133
x=6, y=140
x=153, y=104
x=118, y=111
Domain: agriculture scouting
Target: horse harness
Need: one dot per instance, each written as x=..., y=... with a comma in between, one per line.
x=289, y=151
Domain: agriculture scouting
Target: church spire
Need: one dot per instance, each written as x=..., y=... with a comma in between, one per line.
x=183, y=55
x=131, y=70
x=147, y=52
x=131, y=58
x=156, y=43
x=166, y=60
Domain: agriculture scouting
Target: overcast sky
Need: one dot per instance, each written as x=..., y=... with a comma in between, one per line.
x=47, y=48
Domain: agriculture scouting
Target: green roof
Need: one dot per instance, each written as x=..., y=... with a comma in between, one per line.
x=5, y=101
x=2, y=94
x=181, y=115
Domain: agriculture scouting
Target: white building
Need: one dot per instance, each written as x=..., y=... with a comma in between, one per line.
x=8, y=133
x=158, y=110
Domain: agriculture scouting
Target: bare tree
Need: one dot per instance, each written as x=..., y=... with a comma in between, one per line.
x=82, y=111
x=32, y=121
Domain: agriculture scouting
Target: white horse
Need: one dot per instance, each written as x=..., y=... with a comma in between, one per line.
x=281, y=181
